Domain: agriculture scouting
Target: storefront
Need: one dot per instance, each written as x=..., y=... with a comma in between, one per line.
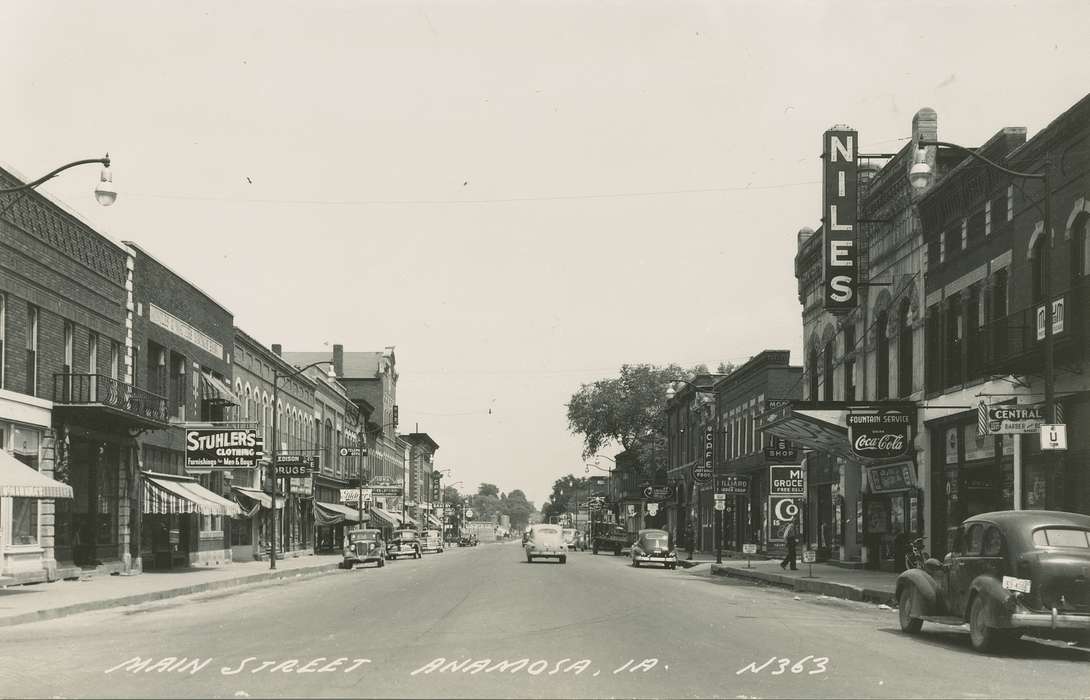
x=177, y=513
x=332, y=521
x=250, y=530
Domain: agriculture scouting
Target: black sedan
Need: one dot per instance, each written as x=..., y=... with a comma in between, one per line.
x=654, y=547
x=1008, y=573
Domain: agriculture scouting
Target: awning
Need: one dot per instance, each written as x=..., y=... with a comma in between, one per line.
x=166, y=493
x=824, y=429
x=388, y=518
x=326, y=514
x=260, y=496
x=434, y=522
x=410, y=520
x=220, y=392
x=20, y=481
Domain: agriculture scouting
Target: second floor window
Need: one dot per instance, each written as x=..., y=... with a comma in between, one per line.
x=882, y=381
x=828, y=371
x=69, y=347
x=32, y=351
x=905, y=351
x=92, y=354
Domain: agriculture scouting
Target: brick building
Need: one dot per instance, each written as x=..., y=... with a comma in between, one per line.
x=689, y=414
x=66, y=409
x=421, y=472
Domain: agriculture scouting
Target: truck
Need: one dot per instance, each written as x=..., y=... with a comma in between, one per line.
x=483, y=530
x=611, y=538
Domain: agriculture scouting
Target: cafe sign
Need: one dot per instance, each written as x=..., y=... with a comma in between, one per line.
x=880, y=433
x=702, y=471
x=212, y=448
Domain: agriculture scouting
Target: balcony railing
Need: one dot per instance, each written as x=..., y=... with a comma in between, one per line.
x=100, y=390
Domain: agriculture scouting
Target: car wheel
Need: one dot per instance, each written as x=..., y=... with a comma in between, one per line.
x=594, y=550
x=635, y=563
x=617, y=552
x=983, y=637
x=909, y=624
x=529, y=558
x=381, y=563
x=563, y=560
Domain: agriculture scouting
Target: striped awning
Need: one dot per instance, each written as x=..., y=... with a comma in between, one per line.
x=434, y=522
x=217, y=390
x=166, y=493
x=389, y=518
x=20, y=481
x=260, y=496
x=326, y=514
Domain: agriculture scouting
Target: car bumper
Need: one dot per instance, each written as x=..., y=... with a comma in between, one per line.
x=1054, y=620
x=547, y=553
x=660, y=558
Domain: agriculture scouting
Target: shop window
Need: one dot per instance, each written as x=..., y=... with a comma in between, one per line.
x=24, y=522
x=993, y=542
x=974, y=540
x=1079, y=255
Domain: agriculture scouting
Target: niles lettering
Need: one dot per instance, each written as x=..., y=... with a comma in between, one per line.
x=839, y=215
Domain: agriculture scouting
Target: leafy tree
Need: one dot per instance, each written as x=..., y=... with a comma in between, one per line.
x=515, y=506
x=488, y=490
x=564, y=496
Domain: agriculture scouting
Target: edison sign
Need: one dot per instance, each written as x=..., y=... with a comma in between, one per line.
x=840, y=253
x=222, y=449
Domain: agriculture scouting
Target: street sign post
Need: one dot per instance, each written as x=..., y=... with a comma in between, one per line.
x=749, y=549
x=809, y=556
x=1054, y=436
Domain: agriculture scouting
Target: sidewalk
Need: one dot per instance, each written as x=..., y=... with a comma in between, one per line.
x=830, y=580
x=46, y=601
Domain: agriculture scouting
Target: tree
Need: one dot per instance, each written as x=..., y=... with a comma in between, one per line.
x=515, y=506
x=565, y=496
x=488, y=490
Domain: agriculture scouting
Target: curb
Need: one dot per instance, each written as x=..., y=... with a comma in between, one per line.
x=138, y=598
x=808, y=585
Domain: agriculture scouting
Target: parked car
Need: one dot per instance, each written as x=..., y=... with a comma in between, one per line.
x=465, y=541
x=432, y=542
x=611, y=538
x=654, y=547
x=569, y=534
x=404, y=543
x=1008, y=573
x=362, y=546
x=546, y=541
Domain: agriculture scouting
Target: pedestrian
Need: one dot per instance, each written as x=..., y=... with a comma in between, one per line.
x=789, y=539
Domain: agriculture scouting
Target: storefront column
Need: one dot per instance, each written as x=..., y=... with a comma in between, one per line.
x=850, y=487
x=1017, y=472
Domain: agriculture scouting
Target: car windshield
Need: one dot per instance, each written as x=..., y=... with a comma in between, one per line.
x=358, y=536
x=547, y=531
x=405, y=536
x=655, y=540
x=1061, y=537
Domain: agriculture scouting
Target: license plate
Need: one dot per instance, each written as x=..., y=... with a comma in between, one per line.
x=1022, y=585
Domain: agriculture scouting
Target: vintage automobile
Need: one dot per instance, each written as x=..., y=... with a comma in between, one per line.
x=610, y=538
x=546, y=541
x=403, y=543
x=570, y=534
x=362, y=546
x=1008, y=574
x=654, y=547
x=432, y=542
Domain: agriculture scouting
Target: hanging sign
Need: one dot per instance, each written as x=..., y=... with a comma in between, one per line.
x=789, y=481
x=1009, y=419
x=733, y=484
x=782, y=451
x=891, y=478
x=295, y=466
x=782, y=511
x=218, y=448
x=1054, y=437
x=879, y=433
x=840, y=251
x=702, y=470
x=658, y=492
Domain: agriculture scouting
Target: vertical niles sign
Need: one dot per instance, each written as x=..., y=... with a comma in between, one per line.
x=840, y=248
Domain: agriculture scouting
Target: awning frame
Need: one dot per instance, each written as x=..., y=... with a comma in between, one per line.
x=166, y=494
x=20, y=480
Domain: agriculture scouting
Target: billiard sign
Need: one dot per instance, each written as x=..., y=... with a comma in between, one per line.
x=880, y=433
x=840, y=248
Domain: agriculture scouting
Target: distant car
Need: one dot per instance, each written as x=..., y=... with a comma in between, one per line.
x=570, y=534
x=654, y=547
x=1008, y=573
x=465, y=541
x=546, y=541
x=404, y=543
x=363, y=546
x=432, y=542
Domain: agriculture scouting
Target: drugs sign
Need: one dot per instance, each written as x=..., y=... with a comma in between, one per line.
x=213, y=448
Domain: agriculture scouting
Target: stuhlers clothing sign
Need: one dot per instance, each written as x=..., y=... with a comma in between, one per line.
x=881, y=433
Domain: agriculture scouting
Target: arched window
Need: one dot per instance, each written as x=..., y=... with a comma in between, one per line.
x=827, y=379
x=882, y=379
x=905, y=350
x=1037, y=268
x=1080, y=251
x=812, y=368
x=328, y=446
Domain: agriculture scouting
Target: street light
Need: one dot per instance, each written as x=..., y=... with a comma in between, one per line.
x=277, y=376
x=920, y=177
x=105, y=192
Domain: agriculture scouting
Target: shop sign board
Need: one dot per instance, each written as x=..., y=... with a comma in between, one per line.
x=353, y=451
x=787, y=480
x=809, y=556
x=781, y=451
x=781, y=512
x=1009, y=419
x=1054, y=437
x=221, y=448
x=733, y=484
x=891, y=478
x=353, y=495
x=295, y=466
x=749, y=548
x=1057, y=318
x=878, y=433
x=658, y=492
x=840, y=250
x=652, y=509
x=703, y=470
x=386, y=490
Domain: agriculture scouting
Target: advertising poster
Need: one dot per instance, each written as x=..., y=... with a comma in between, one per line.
x=781, y=512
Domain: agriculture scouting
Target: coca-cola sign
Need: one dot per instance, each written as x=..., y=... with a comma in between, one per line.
x=880, y=433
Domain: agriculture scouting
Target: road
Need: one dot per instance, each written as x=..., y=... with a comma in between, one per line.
x=594, y=627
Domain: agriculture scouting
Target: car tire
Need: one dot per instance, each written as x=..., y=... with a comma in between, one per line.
x=617, y=552
x=635, y=564
x=529, y=558
x=983, y=637
x=563, y=560
x=381, y=563
x=909, y=624
x=594, y=550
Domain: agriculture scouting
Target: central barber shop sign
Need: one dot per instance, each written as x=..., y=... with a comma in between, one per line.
x=878, y=433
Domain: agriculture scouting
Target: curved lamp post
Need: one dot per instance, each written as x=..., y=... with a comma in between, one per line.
x=105, y=192
x=276, y=443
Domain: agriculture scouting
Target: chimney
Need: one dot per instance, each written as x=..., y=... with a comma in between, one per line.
x=277, y=349
x=338, y=360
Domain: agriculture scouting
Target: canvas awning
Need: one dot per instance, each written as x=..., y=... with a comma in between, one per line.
x=20, y=481
x=258, y=495
x=824, y=429
x=386, y=516
x=411, y=521
x=167, y=493
x=221, y=393
x=326, y=514
x=434, y=522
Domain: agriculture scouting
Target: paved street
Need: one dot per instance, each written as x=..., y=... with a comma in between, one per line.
x=643, y=633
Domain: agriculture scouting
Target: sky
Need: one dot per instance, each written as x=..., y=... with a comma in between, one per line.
x=520, y=196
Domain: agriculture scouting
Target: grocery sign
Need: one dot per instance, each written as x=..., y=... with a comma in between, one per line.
x=787, y=481
x=217, y=448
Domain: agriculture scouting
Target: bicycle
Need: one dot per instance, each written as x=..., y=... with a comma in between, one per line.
x=915, y=559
